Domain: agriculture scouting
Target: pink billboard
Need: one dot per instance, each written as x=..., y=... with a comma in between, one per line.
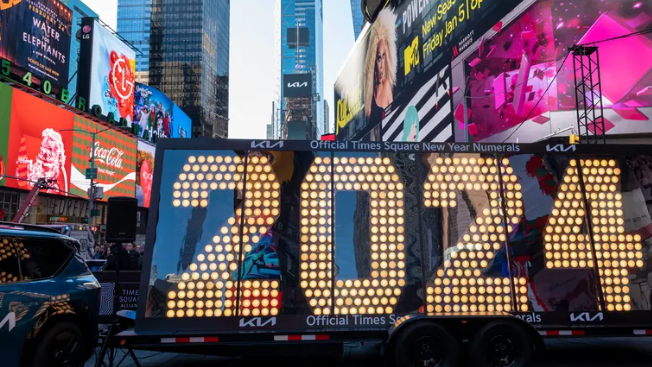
x=521, y=81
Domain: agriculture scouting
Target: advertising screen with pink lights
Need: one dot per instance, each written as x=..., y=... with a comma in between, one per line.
x=520, y=79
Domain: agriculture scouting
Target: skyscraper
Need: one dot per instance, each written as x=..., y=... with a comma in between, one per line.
x=299, y=50
x=79, y=11
x=189, y=60
x=358, y=18
x=134, y=21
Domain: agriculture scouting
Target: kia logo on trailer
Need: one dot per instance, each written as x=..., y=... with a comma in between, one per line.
x=586, y=317
x=266, y=144
x=257, y=322
x=560, y=148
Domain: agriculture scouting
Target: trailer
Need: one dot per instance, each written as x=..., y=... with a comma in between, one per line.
x=435, y=250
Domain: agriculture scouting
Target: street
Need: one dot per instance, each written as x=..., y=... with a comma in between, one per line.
x=585, y=352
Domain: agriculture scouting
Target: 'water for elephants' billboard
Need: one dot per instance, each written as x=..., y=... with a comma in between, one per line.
x=35, y=36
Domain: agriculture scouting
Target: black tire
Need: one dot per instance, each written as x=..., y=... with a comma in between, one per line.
x=501, y=344
x=62, y=345
x=426, y=345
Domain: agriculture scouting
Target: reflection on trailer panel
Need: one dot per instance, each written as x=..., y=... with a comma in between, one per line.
x=284, y=239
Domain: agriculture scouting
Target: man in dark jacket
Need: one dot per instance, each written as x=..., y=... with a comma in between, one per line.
x=134, y=257
x=112, y=260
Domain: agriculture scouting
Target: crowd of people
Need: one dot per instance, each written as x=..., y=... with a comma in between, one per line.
x=130, y=256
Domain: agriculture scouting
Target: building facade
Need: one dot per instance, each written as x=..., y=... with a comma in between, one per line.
x=79, y=11
x=189, y=60
x=358, y=18
x=134, y=22
x=327, y=118
x=299, y=50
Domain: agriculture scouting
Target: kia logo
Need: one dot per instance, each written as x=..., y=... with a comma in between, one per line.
x=298, y=85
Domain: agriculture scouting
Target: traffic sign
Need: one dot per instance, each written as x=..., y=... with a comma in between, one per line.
x=91, y=173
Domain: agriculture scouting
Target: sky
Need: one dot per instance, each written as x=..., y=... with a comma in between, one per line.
x=251, y=89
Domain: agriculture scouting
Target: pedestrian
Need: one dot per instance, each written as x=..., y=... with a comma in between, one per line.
x=134, y=257
x=99, y=254
x=112, y=259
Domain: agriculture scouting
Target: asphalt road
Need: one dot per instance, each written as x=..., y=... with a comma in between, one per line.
x=585, y=352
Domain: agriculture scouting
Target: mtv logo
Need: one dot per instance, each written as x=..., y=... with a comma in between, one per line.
x=411, y=55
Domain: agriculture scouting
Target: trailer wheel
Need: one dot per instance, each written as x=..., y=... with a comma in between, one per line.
x=426, y=345
x=501, y=344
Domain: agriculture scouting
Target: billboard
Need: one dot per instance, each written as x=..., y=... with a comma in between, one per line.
x=144, y=173
x=521, y=80
x=35, y=36
x=115, y=160
x=157, y=116
x=40, y=144
x=397, y=82
x=297, y=85
x=5, y=117
x=182, y=124
x=106, y=72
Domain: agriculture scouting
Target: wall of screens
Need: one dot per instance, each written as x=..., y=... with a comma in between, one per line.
x=350, y=239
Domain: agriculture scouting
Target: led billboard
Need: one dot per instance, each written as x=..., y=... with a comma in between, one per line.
x=106, y=71
x=397, y=83
x=115, y=159
x=297, y=85
x=40, y=144
x=35, y=36
x=43, y=140
x=521, y=83
x=5, y=117
x=144, y=173
x=157, y=116
x=182, y=124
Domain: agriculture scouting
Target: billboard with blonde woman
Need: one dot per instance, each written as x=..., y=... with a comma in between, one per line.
x=397, y=84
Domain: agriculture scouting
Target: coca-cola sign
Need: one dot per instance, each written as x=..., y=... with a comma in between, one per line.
x=111, y=157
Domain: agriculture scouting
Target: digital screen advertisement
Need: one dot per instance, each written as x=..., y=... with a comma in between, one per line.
x=182, y=126
x=5, y=117
x=521, y=83
x=35, y=36
x=40, y=144
x=107, y=71
x=144, y=173
x=397, y=82
x=115, y=159
x=157, y=115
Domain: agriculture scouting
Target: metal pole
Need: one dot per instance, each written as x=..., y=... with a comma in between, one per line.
x=91, y=190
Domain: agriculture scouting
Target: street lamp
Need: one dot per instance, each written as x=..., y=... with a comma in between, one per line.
x=91, y=190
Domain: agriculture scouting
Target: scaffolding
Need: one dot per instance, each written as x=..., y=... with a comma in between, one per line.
x=588, y=94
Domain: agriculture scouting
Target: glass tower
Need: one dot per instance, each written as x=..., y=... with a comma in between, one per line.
x=302, y=58
x=79, y=11
x=134, y=21
x=358, y=18
x=189, y=60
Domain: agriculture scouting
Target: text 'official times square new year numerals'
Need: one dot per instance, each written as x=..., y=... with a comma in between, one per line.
x=208, y=287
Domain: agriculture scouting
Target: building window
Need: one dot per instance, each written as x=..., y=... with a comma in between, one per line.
x=8, y=205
